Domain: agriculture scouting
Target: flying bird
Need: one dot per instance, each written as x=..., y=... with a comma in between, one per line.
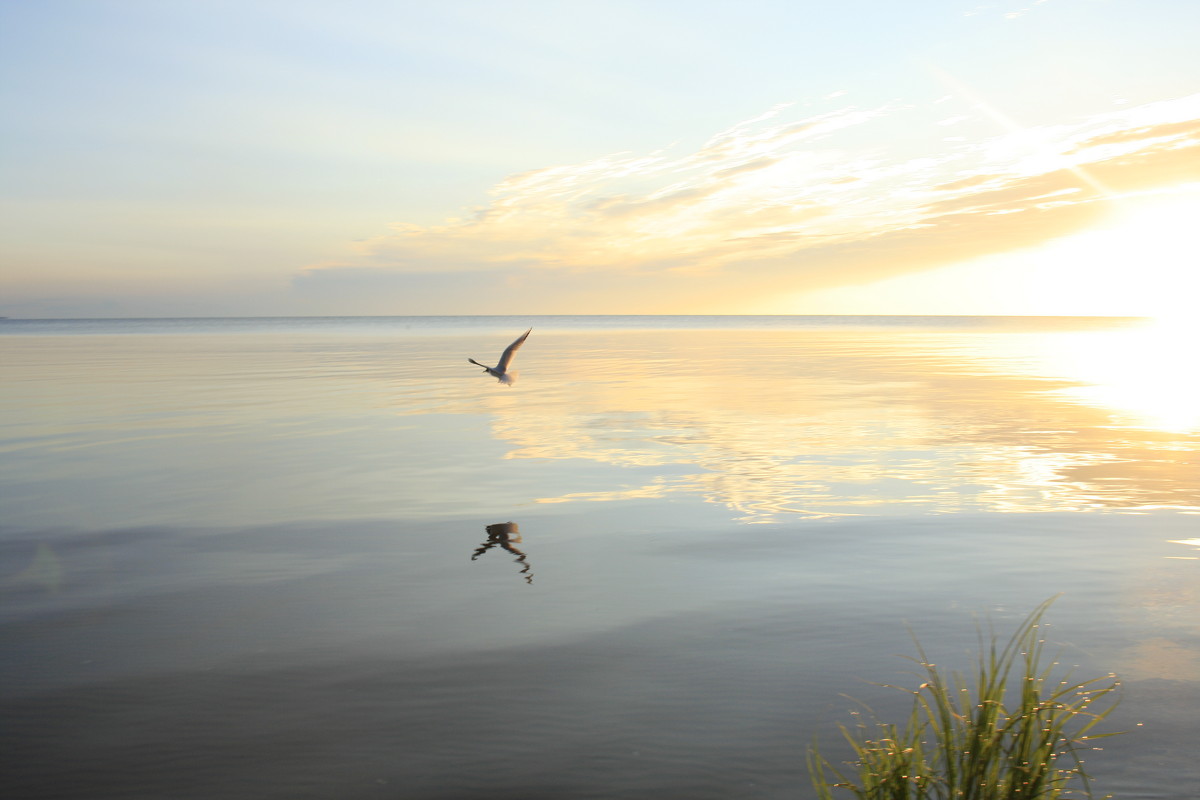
x=500, y=371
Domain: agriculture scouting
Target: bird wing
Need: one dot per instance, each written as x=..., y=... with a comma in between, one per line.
x=512, y=348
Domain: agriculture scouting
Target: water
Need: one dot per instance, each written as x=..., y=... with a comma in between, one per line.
x=251, y=558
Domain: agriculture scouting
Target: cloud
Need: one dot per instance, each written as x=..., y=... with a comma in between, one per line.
x=1179, y=131
x=780, y=203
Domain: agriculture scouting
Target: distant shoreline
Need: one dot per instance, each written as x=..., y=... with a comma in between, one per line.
x=586, y=316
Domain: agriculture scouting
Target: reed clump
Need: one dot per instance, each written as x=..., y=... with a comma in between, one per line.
x=1017, y=733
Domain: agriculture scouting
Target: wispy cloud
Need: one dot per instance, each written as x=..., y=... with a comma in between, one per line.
x=1005, y=10
x=814, y=201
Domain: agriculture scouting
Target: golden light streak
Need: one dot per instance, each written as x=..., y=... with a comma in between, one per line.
x=1044, y=151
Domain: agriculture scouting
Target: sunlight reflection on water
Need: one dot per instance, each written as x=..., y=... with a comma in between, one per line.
x=1140, y=375
x=769, y=424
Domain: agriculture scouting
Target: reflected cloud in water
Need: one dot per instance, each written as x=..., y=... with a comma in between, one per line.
x=768, y=423
x=774, y=424
x=503, y=535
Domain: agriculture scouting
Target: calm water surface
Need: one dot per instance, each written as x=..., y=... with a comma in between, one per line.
x=317, y=558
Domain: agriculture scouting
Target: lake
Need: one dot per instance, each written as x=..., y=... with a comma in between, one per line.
x=329, y=558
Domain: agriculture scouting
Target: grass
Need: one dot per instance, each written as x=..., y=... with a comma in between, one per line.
x=1016, y=733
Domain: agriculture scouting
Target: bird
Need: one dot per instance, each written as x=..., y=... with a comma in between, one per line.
x=500, y=371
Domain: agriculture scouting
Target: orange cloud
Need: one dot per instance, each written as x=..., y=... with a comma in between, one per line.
x=772, y=203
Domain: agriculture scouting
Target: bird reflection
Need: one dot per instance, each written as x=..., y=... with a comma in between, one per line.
x=502, y=535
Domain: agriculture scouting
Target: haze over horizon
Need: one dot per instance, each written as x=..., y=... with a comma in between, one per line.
x=390, y=158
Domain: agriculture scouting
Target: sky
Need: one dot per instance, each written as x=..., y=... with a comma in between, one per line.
x=297, y=157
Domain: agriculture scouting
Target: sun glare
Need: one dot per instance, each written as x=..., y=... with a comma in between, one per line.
x=1141, y=262
x=1142, y=375
x=1151, y=250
